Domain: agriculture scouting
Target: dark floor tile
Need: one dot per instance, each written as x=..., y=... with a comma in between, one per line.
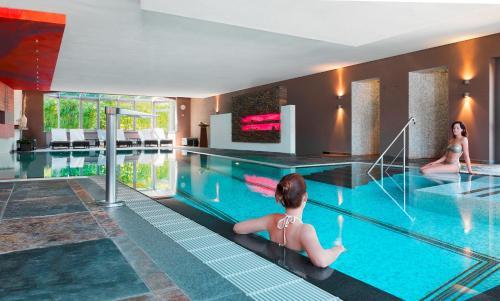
x=6, y=185
x=4, y=194
x=171, y=295
x=154, y=278
x=39, y=189
x=107, y=223
x=146, y=297
x=93, y=270
x=28, y=233
x=43, y=206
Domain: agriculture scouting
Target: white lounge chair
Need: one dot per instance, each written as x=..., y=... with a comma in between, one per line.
x=162, y=139
x=101, y=135
x=121, y=140
x=148, y=137
x=59, y=138
x=77, y=138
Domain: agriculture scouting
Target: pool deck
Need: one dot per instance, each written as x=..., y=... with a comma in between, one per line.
x=57, y=244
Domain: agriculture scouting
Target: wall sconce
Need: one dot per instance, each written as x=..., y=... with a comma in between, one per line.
x=466, y=81
x=339, y=107
x=466, y=95
x=339, y=97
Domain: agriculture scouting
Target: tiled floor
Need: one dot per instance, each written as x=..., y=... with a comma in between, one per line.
x=56, y=244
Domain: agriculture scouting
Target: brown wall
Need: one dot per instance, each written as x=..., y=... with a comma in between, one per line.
x=497, y=110
x=321, y=127
x=183, y=119
x=34, y=115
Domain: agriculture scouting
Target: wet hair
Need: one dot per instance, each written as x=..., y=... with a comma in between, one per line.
x=462, y=126
x=290, y=190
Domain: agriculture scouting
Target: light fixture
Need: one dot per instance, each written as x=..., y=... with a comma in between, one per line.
x=339, y=107
x=339, y=97
x=466, y=81
x=466, y=95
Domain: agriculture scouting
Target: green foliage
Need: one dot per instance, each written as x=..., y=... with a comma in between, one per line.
x=146, y=107
x=126, y=122
x=49, y=113
x=89, y=114
x=69, y=112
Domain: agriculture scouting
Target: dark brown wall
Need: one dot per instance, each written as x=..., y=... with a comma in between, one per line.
x=321, y=127
x=34, y=114
x=183, y=119
x=7, y=108
x=497, y=111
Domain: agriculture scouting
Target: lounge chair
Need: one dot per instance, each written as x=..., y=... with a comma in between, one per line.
x=134, y=137
x=101, y=136
x=162, y=140
x=121, y=140
x=148, y=137
x=77, y=139
x=59, y=138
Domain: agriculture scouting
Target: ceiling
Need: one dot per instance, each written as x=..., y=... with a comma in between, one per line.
x=29, y=48
x=200, y=48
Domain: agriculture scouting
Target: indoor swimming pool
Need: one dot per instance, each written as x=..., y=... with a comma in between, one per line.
x=412, y=236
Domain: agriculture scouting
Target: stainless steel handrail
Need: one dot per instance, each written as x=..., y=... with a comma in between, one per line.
x=381, y=157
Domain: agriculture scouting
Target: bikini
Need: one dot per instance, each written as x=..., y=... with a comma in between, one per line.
x=456, y=149
x=284, y=223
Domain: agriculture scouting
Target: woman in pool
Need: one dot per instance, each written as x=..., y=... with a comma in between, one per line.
x=450, y=161
x=287, y=229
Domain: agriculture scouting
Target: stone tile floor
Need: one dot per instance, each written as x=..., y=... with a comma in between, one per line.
x=56, y=244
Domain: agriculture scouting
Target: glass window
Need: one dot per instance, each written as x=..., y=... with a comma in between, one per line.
x=69, y=112
x=89, y=114
x=50, y=113
x=126, y=122
x=162, y=115
x=145, y=107
x=102, y=113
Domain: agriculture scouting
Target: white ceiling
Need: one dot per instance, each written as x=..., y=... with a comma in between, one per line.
x=199, y=48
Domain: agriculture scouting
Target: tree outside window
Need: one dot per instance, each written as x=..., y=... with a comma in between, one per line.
x=145, y=107
x=89, y=114
x=69, y=112
x=50, y=119
x=126, y=122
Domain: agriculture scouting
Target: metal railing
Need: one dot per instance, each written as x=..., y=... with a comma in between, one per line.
x=382, y=171
x=381, y=157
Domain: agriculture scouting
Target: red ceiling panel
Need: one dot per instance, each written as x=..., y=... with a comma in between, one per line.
x=29, y=46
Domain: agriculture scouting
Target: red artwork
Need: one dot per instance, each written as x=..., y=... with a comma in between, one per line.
x=29, y=49
x=273, y=126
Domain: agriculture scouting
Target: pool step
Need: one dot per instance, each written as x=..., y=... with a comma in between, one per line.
x=348, y=176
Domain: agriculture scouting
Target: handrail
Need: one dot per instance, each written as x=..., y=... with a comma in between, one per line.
x=403, y=130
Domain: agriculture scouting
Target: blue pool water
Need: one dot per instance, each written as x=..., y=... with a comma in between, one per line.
x=434, y=240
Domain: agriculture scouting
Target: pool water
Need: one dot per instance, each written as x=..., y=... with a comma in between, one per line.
x=435, y=239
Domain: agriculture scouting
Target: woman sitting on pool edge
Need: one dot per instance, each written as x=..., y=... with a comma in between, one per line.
x=450, y=161
x=287, y=229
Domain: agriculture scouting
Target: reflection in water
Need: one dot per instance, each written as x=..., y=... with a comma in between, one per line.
x=152, y=172
x=265, y=186
x=340, y=196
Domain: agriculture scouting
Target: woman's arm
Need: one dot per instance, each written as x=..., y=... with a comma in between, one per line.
x=465, y=147
x=253, y=225
x=319, y=257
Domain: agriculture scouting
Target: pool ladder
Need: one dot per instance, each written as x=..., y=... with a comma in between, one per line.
x=380, y=160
